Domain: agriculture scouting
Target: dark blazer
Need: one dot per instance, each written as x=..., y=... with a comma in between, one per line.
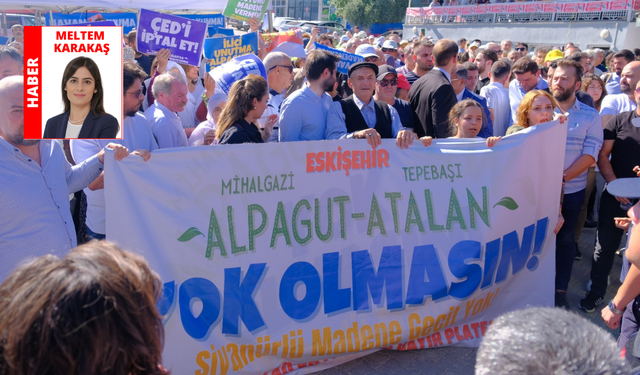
x=487, y=124
x=105, y=126
x=432, y=97
x=241, y=132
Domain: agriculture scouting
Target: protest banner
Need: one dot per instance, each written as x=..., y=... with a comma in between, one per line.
x=272, y=40
x=337, y=250
x=346, y=59
x=126, y=20
x=95, y=23
x=216, y=20
x=222, y=49
x=220, y=30
x=46, y=55
x=3, y=40
x=183, y=37
x=244, y=9
x=236, y=69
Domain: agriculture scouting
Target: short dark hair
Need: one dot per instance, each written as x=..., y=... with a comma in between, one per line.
x=130, y=72
x=131, y=37
x=317, y=61
x=444, y=51
x=97, y=101
x=500, y=69
x=566, y=62
x=421, y=43
x=461, y=72
x=7, y=52
x=488, y=54
x=470, y=66
x=524, y=44
x=576, y=56
x=525, y=65
x=462, y=40
x=324, y=37
x=636, y=51
x=628, y=55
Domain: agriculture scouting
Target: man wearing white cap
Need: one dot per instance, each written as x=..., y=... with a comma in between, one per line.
x=279, y=76
x=390, y=47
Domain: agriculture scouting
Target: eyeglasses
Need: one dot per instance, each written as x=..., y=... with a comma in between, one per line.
x=289, y=67
x=520, y=49
x=371, y=59
x=135, y=94
x=389, y=50
x=386, y=82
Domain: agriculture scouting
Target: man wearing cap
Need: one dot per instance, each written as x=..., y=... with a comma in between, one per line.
x=458, y=78
x=432, y=96
x=360, y=116
x=403, y=88
x=622, y=144
x=386, y=88
x=279, y=76
x=423, y=57
x=370, y=55
x=303, y=114
x=553, y=55
x=390, y=47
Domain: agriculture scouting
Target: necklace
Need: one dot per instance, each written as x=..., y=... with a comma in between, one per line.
x=77, y=121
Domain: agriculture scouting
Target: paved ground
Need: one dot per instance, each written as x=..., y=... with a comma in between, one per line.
x=460, y=361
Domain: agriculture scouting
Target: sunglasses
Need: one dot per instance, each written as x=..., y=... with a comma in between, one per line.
x=386, y=82
x=388, y=50
x=371, y=59
x=289, y=67
x=520, y=49
x=136, y=94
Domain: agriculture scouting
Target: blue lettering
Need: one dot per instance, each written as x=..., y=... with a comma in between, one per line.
x=238, y=299
x=300, y=272
x=335, y=299
x=491, y=256
x=513, y=254
x=366, y=279
x=458, y=256
x=425, y=260
x=205, y=291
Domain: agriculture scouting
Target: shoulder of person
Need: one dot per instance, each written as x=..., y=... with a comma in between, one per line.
x=586, y=108
x=57, y=118
x=106, y=118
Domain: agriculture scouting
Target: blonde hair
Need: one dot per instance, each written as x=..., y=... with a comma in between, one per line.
x=240, y=101
x=522, y=113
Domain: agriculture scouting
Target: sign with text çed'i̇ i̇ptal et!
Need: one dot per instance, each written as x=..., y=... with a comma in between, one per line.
x=49, y=51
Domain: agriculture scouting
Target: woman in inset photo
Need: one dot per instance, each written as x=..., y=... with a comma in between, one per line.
x=83, y=96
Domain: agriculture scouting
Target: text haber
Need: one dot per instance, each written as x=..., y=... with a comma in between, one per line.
x=32, y=83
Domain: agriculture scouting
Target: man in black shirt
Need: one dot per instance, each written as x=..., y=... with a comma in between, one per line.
x=622, y=143
x=141, y=59
x=484, y=59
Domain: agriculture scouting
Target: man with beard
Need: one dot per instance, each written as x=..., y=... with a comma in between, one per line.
x=36, y=180
x=423, y=58
x=484, y=59
x=136, y=135
x=619, y=61
x=303, y=115
x=360, y=116
x=584, y=140
x=506, y=46
x=625, y=101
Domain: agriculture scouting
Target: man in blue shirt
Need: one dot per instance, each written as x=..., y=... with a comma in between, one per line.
x=527, y=79
x=303, y=115
x=36, y=180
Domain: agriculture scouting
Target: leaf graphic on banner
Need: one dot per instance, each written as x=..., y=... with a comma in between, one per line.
x=508, y=202
x=189, y=234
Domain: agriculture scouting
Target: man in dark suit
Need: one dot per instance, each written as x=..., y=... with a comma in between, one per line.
x=432, y=96
x=458, y=82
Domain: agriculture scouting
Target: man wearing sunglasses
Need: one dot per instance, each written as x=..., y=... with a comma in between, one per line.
x=386, y=88
x=523, y=48
x=390, y=48
x=360, y=116
x=279, y=75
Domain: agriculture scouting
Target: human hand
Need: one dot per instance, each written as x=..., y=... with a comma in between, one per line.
x=145, y=154
x=209, y=85
x=491, y=141
x=405, y=138
x=315, y=31
x=371, y=135
x=120, y=152
x=559, y=224
x=254, y=24
x=612, y=320
x=622, y=200
x=209, y=137
x=163, y=59
x=637, y=170
x=426, y=141
x=622, y=222
x=562, y=118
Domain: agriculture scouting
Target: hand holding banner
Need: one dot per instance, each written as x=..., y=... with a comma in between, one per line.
x=236, y=69
x=346, y=59
x=183, y=37
x=223, y=49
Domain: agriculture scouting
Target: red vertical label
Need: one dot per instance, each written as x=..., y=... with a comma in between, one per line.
x=33, y=82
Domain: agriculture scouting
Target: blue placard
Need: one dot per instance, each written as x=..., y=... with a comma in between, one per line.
x=3, y=40
x=126, y=20
x=346, y=59
x=210, y=19
x=223, y=49
x=228, y=73
x=213, y=30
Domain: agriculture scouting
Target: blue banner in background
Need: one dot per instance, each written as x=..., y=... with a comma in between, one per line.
x=222, y=49
x=128, y=21
x=3, y=40
x=209, y=19
x=213, y=30
x=346, y=59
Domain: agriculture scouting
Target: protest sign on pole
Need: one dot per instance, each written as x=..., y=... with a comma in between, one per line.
x=346, y=59
x=222, y=49
x=183, y=37
x=337, y=250
x=239, y=67
x=244, y=9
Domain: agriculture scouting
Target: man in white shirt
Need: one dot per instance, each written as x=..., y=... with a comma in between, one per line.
x=619, y=61
x=498, y=97
x=625, y=101
x=136, y=136
x=527, y=79
x=279, y=75
x=170, y=92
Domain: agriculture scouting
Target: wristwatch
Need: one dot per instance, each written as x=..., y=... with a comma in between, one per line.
x=613, y=309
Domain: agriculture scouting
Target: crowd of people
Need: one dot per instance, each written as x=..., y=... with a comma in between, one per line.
x=416, y=90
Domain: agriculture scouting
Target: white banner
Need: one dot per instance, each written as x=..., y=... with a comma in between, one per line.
x=278, y=258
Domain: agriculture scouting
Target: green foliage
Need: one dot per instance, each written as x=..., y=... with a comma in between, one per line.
x=368, y=12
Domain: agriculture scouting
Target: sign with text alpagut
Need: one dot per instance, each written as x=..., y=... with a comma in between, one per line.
x=183, y=37
x=346, y=59
x=244, y=9
x=48, y=53
x=223, y=49
x=338, y=250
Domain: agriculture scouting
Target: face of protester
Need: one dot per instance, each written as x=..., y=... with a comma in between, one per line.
x=629, y=77
x=457, y=83
x=522, y=49
x=18, y=33
x=541, y=110
x=260, y=105
x=330, y=82
x=506, y=46
x=12, y=117
x=363, y=81
x=482, y=63
x=539, y=59
x=9, y=67
x=564, y=83
x=192, y=73
x=217, y=111
x=550, y=74
x=472, y=79
x=595, y=90
x=618, y=64
x=387, y=92
x=585, y=63
x=599, y=57
x=80, y=87
x=527, y=80
x=469, y=122
x=177, y=99
x=132, y=99
x=514, y=56
x=326, y=42
x=423, y=56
